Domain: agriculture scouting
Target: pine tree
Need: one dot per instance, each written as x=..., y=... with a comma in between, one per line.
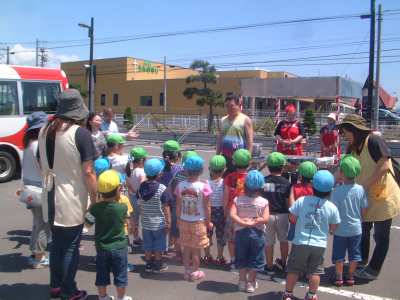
x=309, y=122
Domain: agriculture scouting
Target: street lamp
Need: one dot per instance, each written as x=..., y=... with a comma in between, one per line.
x=91, y=87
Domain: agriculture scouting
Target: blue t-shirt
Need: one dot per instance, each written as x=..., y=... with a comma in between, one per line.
x=349, y=199
x=314, y=215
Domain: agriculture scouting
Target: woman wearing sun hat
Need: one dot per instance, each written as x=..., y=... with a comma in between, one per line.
x=66, y=156
x=377, y=178
x=289, y=133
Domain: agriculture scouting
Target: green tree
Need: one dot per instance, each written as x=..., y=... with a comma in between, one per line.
x=79, y=88
x=128, y=117
x=309, y=122
x=205, y=96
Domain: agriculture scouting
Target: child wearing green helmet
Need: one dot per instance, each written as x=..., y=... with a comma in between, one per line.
x=135, y=176
x=307, y=169
x=234, y=187
x=216, y=167
x=351, y=200
x=277, y=191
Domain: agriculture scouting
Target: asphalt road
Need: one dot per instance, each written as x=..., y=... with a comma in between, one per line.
x=19, y=282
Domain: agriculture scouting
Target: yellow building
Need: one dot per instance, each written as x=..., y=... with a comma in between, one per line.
x=138, y=83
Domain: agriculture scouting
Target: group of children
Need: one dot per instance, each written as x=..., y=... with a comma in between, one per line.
x=247, y=211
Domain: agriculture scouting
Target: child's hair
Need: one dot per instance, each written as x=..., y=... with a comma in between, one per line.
x=217, y=172
x=128, y=170
x=251, y=192
x=277, y=169
x=110, y=147
x=170, y=157
x=151, y=177
x=243, y=167
x=191, y=173
x=305, y=179
x=111, y=194
x=321, y=194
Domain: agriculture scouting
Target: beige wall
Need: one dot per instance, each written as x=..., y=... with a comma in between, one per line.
x=122, y=76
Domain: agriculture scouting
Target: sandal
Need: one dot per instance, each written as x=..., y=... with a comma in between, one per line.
x=197, y=275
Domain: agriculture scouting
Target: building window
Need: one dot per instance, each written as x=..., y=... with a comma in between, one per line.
x=103, y=99
x=146, y=101
x=115, y=99
x=161, y=99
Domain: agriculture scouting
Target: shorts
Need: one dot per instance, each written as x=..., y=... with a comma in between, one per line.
x=249, y=249
x=351, y=244
x=229, y=232
x=193, y=234
x=218, y=220
x=115, y=261
x=154, y=240
x=277, y=225
x=306, y=259
x=136, y=208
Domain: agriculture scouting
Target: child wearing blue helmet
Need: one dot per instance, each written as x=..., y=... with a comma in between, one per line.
x=250, y=213
x=194, y=214
x=315, y=216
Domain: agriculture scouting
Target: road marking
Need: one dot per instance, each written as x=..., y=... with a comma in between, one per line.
x=395, y=227
x=343, y=293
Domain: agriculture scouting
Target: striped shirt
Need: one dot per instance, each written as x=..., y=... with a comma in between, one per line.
x=217, y=196
x=152, y=215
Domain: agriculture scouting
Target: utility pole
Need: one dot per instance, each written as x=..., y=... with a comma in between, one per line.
x=378, y=68
x=91, y=85
x=371, y=61
x=165, y=84
x=43, y=56
x=8, y=55
x=37, y=53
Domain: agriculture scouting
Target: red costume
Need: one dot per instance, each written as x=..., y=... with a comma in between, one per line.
x=290, y=130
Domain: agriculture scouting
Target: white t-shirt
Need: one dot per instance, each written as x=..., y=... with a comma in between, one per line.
x=136, y=176
x=249, y=207
x=217, y=196
x=108, y=128
x=192, y=197
x=118, y=163
x=31, y=174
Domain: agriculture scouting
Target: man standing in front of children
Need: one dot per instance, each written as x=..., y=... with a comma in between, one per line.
x=276, y=191
x=351, y=200
x=135, y=176
x=194, y=215
x=250, y=213
x=155, y=216
x=216, y=167
x=110, y=238
x=315, y=216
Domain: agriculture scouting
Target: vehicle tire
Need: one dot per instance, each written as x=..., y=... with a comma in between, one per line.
x=8, y=166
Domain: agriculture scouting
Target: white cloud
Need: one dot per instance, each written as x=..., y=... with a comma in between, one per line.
x=27, y=57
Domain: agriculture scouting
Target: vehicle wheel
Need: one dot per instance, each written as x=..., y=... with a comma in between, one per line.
x=8, y=166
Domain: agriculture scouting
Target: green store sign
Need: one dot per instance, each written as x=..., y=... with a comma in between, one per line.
x=148, y=67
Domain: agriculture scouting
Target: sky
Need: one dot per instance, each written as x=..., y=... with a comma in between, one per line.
x=320, y=48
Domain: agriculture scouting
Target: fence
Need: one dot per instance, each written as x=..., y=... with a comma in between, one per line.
x=198, y=122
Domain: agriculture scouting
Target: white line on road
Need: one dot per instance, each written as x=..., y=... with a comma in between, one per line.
x=347, y=294
x=395, y=227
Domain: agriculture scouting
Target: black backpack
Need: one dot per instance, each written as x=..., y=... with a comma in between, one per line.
x=396, y=169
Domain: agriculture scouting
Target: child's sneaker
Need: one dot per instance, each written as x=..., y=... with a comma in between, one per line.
x=287, y=296
x=250, y=287
x=149, y=267
x=314, y=297
x=160, y=267
x=79, y=295
x=280, y=265
x=269, y=271
x=55, y=293
x=130, y=267
x=40, y=264
x=208, y=259
x=220, y=261
x=232, y=266
x=242, y=286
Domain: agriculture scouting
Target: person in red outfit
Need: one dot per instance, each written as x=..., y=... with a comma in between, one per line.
x=289, y=133
x=329, y=136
